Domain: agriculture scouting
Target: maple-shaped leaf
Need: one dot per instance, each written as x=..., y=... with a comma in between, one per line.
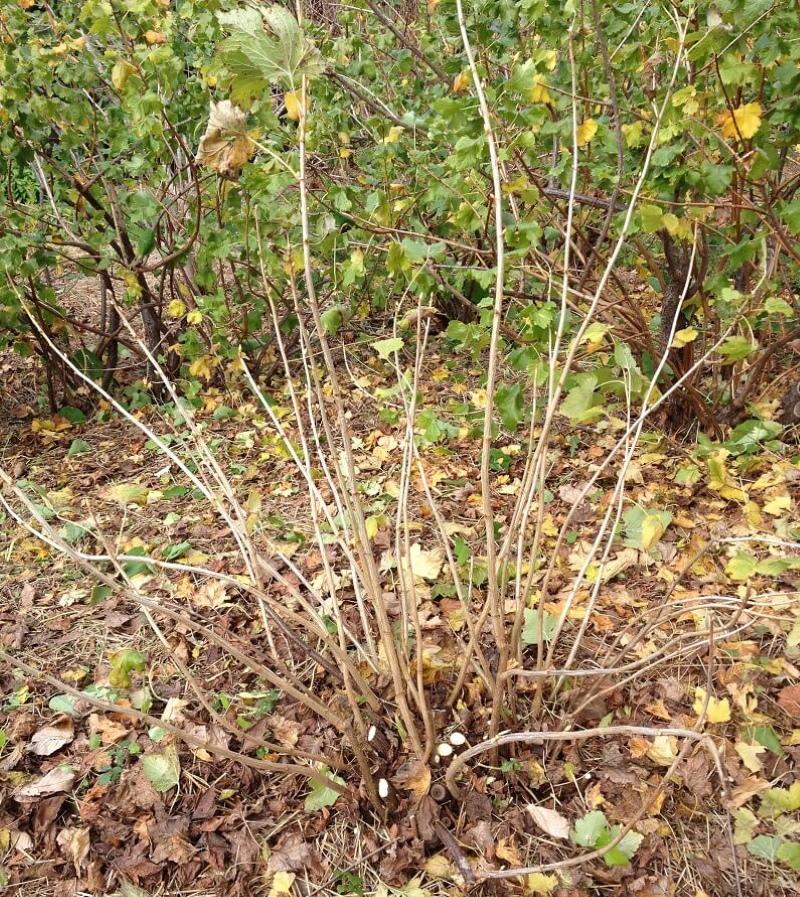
x=266, y=47
x=718, y=710
x=586, y=131
x=742, y=122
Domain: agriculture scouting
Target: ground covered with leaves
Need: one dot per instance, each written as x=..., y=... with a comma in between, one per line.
x=95, y=800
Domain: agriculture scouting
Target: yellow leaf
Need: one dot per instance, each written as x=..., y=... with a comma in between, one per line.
x=195, y=316
x=663, y=750
x=652, y=530
x=461, y=82
x=744, y=122
x=294, y=107
x=749, y=754
x=539, y=91
x=439, y=867
x=203, y=367
x=394, y=134
x=539, y=883
x=633, y=134
x=120, y=73
x=176, y=309
x=425, y=564
x=586, y=131
x=778, y=505
x=282, y=883
x=753, y=514
x=718, y=710
x=684, y=337
x=155, y=37
x=550, y=58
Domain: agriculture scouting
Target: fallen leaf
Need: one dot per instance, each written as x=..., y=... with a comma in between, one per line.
x=53, y=737
x=549, y=821
x=75, y=843
x=789, y=701
x=162, y=770
x=718, y=709
x=58, y=779
x=778, y=505
x=108, y=730
x=541, y=884
x=414, y=777
x=749, y=754
x=663, y=750
x=282, y=883
x=425, y=564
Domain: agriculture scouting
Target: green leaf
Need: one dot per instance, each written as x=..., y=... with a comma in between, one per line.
x=134, y=568
x=776, y=801
x=74, y=532
x=588, y=830
x=645, y=526
x=741, y=567
x=78, y=447
x=789, y=853
x=173, y=552
x=735, y=348
x=777, y=306
x=766, y=737
x=123, y=663
x=764, y=847
x=332, y=319
x=258, y=57
x=687, y=476
x=73, y=415
x=530, y=630
x=128, y=493
x=162, y=770
x=321, y=795
x=620, y=854
x=63, y=704
x=385, y=347
x=581, y=404
x=509, y=405
x=750, y=434
x=651, y=218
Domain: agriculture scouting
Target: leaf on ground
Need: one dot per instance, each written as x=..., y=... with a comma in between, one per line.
x=414, y=777
x=540, y=884
x=588, y=829
x=549, y=821
x=718, y=710
x=123, y=663
x=778, y=505
x=789, y=701
x=321, y=795
x=282, y=883
x=162, y=770
x=530, y=629
x=54, y=782
x=128, y=493
x=663, y=750
x=425, y=564
x=53, y=737
x=749, y=755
